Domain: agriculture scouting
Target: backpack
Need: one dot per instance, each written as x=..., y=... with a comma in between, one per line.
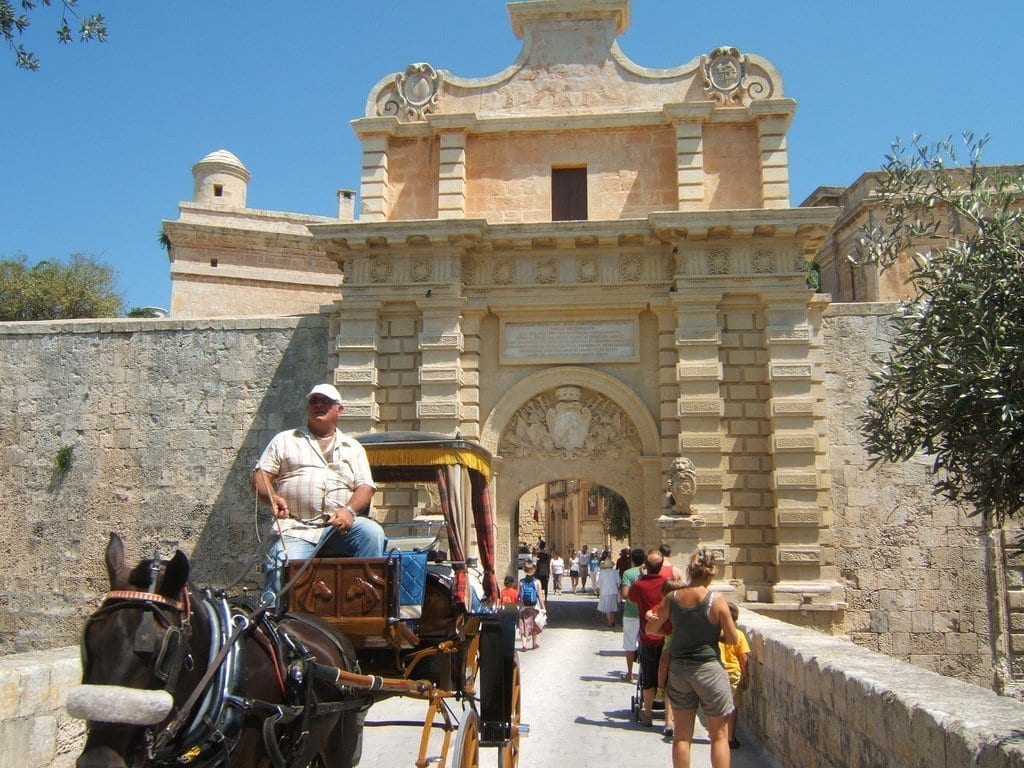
x=528, y=592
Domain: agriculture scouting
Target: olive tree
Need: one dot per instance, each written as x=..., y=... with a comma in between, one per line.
x=15, y=21
x=952, y=385
x=54, y=290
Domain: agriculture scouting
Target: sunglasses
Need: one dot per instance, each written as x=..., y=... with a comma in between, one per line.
x=317, y=401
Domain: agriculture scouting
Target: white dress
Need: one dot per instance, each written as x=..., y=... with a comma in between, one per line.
x=608, y=584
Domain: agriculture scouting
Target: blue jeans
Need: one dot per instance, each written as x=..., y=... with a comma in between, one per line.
x=365, y=539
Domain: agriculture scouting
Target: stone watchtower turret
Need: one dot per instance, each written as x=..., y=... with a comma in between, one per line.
x=220, y=179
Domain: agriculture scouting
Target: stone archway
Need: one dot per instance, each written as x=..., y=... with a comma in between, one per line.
x=571, y=422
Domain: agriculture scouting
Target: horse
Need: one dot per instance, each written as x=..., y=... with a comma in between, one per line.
x=172, y=675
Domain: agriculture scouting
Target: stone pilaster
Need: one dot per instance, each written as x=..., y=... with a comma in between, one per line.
x=805, y=565
x=470, y=376
x=440, y=375
x=690, y=165
x=771, y=139
x=451, y=183
x=699, y=406
x=356, y=350
x=374, y=178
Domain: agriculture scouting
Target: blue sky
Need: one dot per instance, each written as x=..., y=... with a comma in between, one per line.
x=97, y=146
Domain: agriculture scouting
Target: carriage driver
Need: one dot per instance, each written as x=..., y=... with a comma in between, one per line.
x=317, y=483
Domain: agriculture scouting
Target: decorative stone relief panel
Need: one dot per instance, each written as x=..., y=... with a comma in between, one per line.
x=468, y=270
x=412, y=95
x=588, y=269
x=730, y=78
x=545, y=270
x=571, y=422
x=421, y=269
x=381, y=269
x=631, y=268
x=718, y=262
x=504, y=271
x=682, y=485
x=764, y=262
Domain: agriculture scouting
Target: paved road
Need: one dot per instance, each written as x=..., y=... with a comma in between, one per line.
x=574, y=700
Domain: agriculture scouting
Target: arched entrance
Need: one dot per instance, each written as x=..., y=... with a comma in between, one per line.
x=574, y=424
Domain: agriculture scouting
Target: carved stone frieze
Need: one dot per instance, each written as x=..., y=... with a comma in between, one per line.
x=412, y=95
x=504, y=271
x=381, y=270
x=571, y=422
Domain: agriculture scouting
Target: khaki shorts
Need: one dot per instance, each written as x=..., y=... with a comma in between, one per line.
x=705, y=684
x=737, y=692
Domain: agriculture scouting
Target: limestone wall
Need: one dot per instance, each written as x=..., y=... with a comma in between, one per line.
x=163, y=420
x=823, y=701
x=35, y=732
x=915, y=570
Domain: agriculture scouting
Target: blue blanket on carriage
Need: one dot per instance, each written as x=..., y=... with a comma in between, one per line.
x=412, y=582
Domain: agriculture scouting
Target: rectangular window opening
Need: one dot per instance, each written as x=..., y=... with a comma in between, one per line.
x=218, y=190
x=569, y=194
x=213, y=262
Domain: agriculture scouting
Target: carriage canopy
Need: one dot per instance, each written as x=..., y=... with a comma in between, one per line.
x=453, y=465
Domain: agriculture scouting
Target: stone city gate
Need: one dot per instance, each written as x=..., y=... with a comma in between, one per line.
x=572, y=422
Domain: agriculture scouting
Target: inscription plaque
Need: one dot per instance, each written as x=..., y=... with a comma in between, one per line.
x=570, y=341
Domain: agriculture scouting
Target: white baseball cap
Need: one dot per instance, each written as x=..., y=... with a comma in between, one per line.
x=325, y=390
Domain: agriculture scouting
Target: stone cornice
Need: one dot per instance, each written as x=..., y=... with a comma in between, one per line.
x=664, y=228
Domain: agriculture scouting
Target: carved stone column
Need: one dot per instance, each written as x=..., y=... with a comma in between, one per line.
x=805, y=563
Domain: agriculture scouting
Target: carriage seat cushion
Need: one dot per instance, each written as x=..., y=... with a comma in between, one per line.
x=412, y=582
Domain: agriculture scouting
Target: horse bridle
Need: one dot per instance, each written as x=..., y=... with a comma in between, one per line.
x=169, y=660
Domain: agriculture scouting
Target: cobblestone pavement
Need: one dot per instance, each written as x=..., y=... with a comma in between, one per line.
x=574, y=699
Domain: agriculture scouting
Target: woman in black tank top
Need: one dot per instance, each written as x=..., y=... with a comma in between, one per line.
x=700, y=619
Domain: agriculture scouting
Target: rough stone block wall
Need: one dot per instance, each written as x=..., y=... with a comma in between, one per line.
x=915, y=569
x=163, y=420
x=35, y=732
x=823, y=701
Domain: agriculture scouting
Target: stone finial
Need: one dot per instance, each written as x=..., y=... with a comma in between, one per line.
x=682, y=485
x=220, y=178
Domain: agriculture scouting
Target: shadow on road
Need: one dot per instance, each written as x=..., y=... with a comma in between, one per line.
x=577, y=612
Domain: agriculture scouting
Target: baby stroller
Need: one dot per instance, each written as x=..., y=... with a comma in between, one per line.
x=636, y=701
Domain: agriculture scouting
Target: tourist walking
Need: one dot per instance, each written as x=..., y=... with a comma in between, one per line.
x=696, y=677
x=532, y=601
x=557, y=569
x=646, y=593
x=583, y=566
x=608, y=583
x=593, y=568
x=630, y=616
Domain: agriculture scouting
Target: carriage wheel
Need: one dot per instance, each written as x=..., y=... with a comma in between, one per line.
x=470, y=665
x=466, y=753
x=508, y=755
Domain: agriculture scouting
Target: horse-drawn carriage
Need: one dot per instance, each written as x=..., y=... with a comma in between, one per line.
x=175, y=675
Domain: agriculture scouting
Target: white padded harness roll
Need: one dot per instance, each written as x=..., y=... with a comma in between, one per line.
x=117, y=704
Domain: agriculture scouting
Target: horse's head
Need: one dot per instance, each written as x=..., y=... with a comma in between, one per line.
x=133, y=648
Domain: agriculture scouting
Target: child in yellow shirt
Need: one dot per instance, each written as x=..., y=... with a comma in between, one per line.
x=734, y=659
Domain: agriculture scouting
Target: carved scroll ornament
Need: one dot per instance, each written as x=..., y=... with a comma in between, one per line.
x=412, y=95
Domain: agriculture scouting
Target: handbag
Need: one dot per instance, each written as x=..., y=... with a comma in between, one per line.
x=541, y=619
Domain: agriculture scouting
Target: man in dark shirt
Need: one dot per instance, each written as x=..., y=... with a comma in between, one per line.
x=543, y=558
x=646, y=593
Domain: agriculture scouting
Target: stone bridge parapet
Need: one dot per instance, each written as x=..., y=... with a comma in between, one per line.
x=821, y=700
